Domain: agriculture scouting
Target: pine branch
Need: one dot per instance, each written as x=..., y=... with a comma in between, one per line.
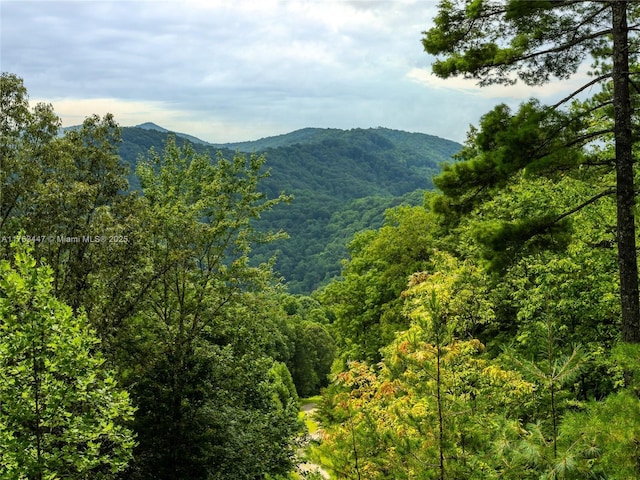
x=581, y=89
x=595, y=198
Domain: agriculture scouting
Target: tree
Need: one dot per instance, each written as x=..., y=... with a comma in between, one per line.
x=313, y=350
x=367, y=302
x=62, y=415
x=198, y=344
x=310, y=349
x=574, y=269
x=550, y=370
x=24, y=134
x=69, y=194
x=538, y=40
x=436, y=407
x=166, y=282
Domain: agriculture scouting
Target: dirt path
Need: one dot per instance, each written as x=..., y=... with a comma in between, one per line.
x=309, y=407
x=309, y=410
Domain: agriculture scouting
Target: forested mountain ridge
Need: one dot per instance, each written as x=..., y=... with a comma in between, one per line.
x=351, y=163
x=158, y=128
x=342, y=181
x=421, y=142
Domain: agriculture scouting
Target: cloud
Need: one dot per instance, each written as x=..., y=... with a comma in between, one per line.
x=74, y=111
x=551, y=92
x=236, y=70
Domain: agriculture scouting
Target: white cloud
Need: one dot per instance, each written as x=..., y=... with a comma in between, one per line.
x=551, y=92
x=237, y=70
x=74, y=111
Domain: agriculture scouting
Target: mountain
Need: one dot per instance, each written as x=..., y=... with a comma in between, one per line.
x=158, y=128
x=342, y=182
x=305, y=135
x=152, y=126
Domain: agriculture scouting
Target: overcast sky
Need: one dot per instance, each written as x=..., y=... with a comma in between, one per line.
x=233, y=70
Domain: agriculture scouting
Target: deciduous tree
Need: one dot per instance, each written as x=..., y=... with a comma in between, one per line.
x=367, y=303
x=433, y=409
x=69, y=193
x=62, y=415
x=210, y=406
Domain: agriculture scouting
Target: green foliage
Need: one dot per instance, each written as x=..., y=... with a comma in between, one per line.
x=366, y=303
x=533, y=42
x=212, y=405
x=283, y=384
x=233, y=419
x=67, y=194
x=341, y=181
x=455, y=324
x=25, y=136
x=575, y=285
x=530, y=208
x=575, y=269
x=520, y=198
x=311, y=346
x=550, y=369
x=320, y=228
x=504, y=144
x=436, y=407
x=589, y=441
x=190, y=325
x=62, y=415
x=497, y=42
x=605, y=438
x=545, y=301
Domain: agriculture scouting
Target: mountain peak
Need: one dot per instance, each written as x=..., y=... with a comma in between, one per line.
x=158, y=128
x=151, y=126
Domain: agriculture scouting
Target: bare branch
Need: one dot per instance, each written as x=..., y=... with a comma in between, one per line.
x=595, y=198
x=581, y=89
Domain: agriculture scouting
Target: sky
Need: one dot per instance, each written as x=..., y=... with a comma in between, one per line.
x=237, y=70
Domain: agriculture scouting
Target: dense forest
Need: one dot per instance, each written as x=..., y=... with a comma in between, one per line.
x=138, y=340
x=340, y=182
x=486, y=328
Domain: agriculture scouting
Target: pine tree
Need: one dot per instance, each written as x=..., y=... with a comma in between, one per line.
x=534, y=41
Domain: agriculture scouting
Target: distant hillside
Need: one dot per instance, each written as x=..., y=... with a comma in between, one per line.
x=158, y=128
x=357, y=163
x=306, y=135
x=342, y=181
x=418, y=142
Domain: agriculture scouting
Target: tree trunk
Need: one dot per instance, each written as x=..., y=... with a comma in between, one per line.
x=625, y=196
x=440, y=414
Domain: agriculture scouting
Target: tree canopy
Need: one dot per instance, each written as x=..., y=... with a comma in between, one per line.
x=153, y=344
x=535, y=41
x=62, y=414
